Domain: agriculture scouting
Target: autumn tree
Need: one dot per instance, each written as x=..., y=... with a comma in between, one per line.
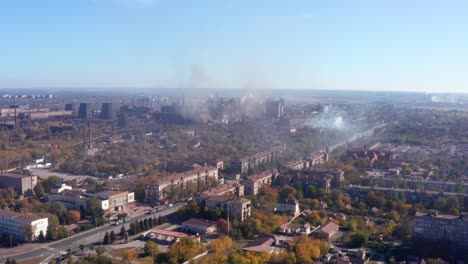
x=307, y=249
x=220, y=244
x=128, y=255
x=185, y=249
x=222, y=226
x=74, y=216
x=248, y=258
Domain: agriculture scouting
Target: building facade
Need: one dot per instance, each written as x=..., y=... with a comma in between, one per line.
x=23, y=227
x=239, y=208
x=253, y=183
x=442, y=228
x=19, y=182
x=161, y=188
x=244, y=164
x=288, y=206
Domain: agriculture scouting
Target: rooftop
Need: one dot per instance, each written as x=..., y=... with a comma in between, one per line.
x=71, y=193
x=111, y=192
x=328, y=228
x=183, y=175
x=288, y=201
x=240, y=201
x=220, y=190
x=19, y=216
x=15, y=175
x=260, y=176
x=199, y=222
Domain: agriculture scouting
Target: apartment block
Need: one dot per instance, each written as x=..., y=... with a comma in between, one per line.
x=442, y=228
x=244, y=164
x=254, y=182
x=158, y=190
x=239, y=208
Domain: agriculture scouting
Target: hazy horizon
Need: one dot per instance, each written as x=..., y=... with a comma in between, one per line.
x=417, y=46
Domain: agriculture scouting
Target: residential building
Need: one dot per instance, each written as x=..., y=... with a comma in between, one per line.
x=321, y=177
x=200, y=226
x=326, y=230
x=317, y=158
x=230, y=189
x=264, y=244
x=288, y=206
x=160, y=189
x=239, y=208
x=297, y=165
x=254, y=182
x=19, y=182
x=18, y=225
x=444, y=228
x=305, y=229
x=243, y=165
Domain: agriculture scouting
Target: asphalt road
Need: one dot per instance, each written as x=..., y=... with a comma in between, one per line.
x=86, y=238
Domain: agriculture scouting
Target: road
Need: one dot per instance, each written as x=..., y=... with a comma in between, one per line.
x=85, y=238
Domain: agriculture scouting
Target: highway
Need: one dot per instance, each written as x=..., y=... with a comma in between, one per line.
x=88, y=237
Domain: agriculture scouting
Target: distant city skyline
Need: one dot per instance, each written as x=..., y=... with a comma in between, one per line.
x=325, y=45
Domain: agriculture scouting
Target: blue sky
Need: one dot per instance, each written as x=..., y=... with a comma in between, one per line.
x=311, y=44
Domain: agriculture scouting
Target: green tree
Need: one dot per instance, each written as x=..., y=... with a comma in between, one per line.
x=122, y=231
x=59, y=209
x=95, y=211
x=39, y=190
x=112, y=237
x=107, y=239
x=41, y=236
x=151, y=249
x=359, y=239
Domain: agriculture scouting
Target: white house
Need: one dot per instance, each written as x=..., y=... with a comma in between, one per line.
x=288, y=206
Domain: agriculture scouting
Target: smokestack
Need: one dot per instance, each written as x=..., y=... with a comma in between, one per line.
x=84, y=133
x=89, y=139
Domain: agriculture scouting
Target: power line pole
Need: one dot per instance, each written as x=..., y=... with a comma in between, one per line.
x=229, y=205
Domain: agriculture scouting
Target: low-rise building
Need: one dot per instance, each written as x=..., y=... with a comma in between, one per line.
x=159, y=189
x=288, y=206
x=326, y=230
x=21, y=183
x=71, y=199
x=23, y=227
x=117, y=200
x=264, y=244
x=61, y=187
x=254, y=182
x=200, y=226
x=112, y=200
